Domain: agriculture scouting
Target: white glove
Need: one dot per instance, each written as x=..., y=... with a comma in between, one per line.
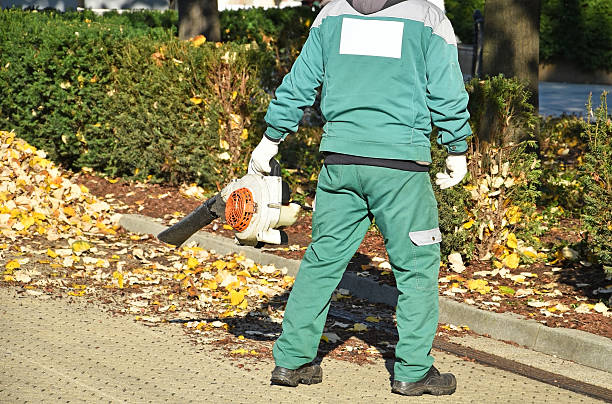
x=456, y=169
x=261, y=156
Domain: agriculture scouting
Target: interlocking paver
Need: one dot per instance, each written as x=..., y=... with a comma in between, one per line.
x=56, y=351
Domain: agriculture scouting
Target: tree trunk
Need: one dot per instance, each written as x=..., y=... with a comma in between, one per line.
x=511, y=41
x=199, y=17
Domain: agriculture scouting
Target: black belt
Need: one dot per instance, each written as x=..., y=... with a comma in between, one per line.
x=347, y=159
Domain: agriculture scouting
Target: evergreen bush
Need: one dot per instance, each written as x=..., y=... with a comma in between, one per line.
x=504, y=168
x=129, y=104
x=596, y=179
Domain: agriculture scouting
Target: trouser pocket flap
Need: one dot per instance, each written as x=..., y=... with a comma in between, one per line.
x=426, y=237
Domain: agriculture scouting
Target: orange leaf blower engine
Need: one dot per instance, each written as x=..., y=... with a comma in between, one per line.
x=256, y=206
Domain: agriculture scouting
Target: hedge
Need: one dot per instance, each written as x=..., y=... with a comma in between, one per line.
x=129, y=104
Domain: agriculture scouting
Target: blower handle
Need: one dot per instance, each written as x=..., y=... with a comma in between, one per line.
x=275, y=168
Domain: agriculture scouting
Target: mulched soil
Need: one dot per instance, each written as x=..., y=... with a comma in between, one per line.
x=576, y=281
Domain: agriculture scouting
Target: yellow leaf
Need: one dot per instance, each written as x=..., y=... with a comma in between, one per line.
x=27, y=222
x=192, y=262
x=245, y=134
x=512, y=241
x=359, y=327
x=80, y=246
x=68, y=210
x=513, y=214
x=219, y=264
x=14, y=264
x=112, y=180
x=478, y=285
x=512, y=261
x=228, y=227
x=372, y=319
x=8, y=278
x=196, y=100
x=243, y=305
x=119, y=277
x=324, y=338
x=468, y=225
x=234, y=95
x=240, y=351
x=198, y=40
x=236, y=297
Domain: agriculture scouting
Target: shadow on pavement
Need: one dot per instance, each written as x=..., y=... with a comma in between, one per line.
x=261, y=324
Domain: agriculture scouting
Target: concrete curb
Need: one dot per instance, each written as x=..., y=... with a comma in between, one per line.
x=578, y=346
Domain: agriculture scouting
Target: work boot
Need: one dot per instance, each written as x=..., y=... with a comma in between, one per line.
x=306, y=374
x=433, y=383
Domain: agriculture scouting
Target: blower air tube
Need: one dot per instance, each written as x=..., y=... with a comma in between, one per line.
x=200, y=217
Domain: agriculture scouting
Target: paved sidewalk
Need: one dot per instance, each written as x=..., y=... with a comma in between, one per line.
x=56, y=351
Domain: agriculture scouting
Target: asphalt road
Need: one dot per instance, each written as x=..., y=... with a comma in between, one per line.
x=565, y=98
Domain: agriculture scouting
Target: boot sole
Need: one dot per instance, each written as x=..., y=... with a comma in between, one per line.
x=283, y=381
x=435, y=391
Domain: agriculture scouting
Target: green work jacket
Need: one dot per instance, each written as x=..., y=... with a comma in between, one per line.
x=385, y=76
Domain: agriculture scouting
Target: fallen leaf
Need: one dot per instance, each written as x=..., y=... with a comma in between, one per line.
x=13, y=264
x=358, y=327
x=478, y=285
x=512, y=261
x=600, y=308
x=456, y=262
x=512, y=241
x=506, y=290
x=330, y=337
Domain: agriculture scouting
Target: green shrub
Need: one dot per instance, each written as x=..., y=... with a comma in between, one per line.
x=183, y=113
x=453, y=209
x=596, y=178
x=127, y=104
x=53, y=74
x=562, y=152
x=577, y=30
x=281, y=32
x=504, y=168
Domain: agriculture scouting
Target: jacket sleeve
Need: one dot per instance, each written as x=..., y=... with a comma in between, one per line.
x=446, y=96
x=297, y=91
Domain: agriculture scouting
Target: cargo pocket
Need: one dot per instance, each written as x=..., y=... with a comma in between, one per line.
x=426, y=257
x=426, y=237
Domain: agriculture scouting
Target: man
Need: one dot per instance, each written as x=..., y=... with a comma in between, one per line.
x=388, y=68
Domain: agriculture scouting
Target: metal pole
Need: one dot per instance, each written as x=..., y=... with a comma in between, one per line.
x=478, y=43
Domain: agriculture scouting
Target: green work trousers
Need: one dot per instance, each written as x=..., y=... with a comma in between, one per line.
x=406, y=212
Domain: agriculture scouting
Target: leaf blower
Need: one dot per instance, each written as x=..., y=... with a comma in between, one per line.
x=255, y=206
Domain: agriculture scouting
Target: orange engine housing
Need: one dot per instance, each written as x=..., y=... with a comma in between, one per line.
x=239, y=209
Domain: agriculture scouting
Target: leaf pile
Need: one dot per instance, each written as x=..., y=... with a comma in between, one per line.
x=38, y=198
x=66, y=243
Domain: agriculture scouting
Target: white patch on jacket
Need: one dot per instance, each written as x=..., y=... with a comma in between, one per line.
x=371, y=37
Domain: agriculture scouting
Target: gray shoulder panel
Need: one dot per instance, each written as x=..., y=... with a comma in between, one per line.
x=415, y=10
